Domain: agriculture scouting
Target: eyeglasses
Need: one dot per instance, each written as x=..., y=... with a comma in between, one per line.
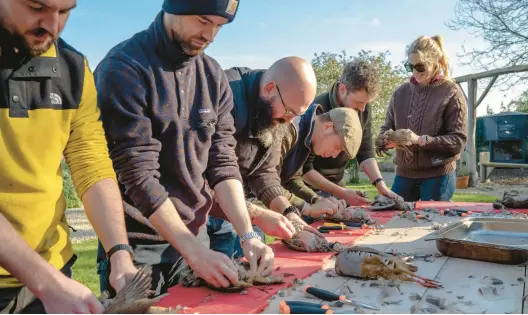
x=287, y=110
x=420, y=67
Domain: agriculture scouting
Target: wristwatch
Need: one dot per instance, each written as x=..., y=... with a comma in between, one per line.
x=250, y=235
x=119, y=247
x=423, y=140
x=291, y=209
x=376, y=181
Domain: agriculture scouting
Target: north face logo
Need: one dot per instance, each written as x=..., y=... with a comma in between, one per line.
x=55, y=99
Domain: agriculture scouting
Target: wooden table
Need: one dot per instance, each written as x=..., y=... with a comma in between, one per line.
x=461, y=278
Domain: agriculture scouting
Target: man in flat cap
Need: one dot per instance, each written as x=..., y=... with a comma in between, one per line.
x=329, y=134
x=166, y=109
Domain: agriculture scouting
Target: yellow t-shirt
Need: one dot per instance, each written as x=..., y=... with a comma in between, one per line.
x=48, y=109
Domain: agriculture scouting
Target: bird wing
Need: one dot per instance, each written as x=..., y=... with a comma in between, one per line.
x=134, y=290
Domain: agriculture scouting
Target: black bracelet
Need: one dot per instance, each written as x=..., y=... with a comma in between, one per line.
x=315, y=199
x=291, y=209
x=119, y=247
x=375, y=182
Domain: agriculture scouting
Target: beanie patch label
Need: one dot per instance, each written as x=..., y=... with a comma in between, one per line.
x=232, y=7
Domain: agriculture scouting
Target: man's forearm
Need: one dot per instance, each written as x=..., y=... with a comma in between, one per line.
x=169, y=224
x=371, y=169
x=104, y=208
x=315, y=179
x=255, y=213
x=23, y=262
x=279, y=204
x=230, y=196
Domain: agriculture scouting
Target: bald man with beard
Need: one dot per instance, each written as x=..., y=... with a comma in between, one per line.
x=265, y=103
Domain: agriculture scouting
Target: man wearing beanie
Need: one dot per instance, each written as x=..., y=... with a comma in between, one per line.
x=166, y=109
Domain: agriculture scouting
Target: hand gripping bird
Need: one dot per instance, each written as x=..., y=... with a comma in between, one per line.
x=133, y=298
x=400, y=138
x=304, y=241
x=368, y=263
x=188, y=278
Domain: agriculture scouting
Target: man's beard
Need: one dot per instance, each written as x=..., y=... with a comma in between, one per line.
x=265, y=128
x=187, y=44
x=18, y=41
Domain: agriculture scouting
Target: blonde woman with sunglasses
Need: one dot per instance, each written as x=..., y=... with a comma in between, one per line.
x=434, y=108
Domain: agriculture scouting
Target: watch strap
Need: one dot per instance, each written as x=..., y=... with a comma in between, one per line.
x=291, y=209
x=119, y=247
x=376, y=181
x=250, y=235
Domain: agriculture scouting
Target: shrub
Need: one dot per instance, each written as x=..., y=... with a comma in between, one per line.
x=72, y=200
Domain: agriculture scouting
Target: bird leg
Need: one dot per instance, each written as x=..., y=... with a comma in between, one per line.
x=412, y=277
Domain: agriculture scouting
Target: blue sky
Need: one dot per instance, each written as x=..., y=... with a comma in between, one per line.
x=265, y=30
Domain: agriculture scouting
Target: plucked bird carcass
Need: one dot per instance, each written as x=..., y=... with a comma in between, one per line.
x=368, y=263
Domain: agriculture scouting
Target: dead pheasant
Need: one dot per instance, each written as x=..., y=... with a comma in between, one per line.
x=401, y=138
x=368, y=263
x=304, y=241
x=245, y=279
x=133, y=298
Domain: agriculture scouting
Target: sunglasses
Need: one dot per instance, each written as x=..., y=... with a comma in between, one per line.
x=420, y=67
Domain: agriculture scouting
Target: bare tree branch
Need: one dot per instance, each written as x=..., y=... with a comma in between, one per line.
x=503, y=25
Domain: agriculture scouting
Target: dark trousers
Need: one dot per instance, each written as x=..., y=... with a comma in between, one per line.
x=21, y=301
x=440, y=188
x=164, y=275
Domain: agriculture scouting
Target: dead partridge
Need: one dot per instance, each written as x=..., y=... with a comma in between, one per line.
x=353, y=215
x=133, y=298
x=401, y=138
x=245, y=279
x=385, y=203
x=304, y=241
x=368, y=263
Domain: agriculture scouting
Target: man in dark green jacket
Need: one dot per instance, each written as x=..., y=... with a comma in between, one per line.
x=356, y=88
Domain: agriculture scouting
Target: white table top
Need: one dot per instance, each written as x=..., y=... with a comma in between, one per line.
x=461, y=279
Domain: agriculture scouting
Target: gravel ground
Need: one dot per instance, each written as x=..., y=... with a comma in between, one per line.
x=78, y=220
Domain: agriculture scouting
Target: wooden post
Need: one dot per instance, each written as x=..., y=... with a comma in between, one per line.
x=472, y=126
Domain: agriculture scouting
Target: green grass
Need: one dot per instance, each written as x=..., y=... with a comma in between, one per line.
x=72, y=200
x=85, y=268
x=466, y=197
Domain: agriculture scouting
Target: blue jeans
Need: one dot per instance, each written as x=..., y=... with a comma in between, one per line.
x=439, y=188
x=224, y=238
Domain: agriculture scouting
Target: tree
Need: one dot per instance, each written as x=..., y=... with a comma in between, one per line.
x=328, y=68
x=521, y=104
x=489, y=110
x=504, y=27
x=510, y=107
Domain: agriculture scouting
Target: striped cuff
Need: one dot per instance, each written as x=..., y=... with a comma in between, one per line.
x=271, y=193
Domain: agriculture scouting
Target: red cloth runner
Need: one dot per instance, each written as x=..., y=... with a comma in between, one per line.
x=302, y=265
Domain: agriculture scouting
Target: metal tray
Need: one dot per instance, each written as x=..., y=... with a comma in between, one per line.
x=497, y=240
